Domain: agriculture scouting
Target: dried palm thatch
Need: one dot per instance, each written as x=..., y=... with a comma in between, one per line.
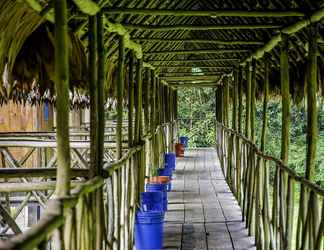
x=27, y=56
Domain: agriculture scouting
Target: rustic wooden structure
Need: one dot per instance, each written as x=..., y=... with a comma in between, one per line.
x=136, y=59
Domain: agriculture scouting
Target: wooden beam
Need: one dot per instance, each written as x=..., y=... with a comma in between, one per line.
x=211, y=13
x=193, y=66
x=195, y=60
x=197, y=51
x=211, y=41
x=161, y=74
x=190, y=78
x=38, y=172
x=291, y=29
x=62, y=98
x=87, y=6
x=167, y=28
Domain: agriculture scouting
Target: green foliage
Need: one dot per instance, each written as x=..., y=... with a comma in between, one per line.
x=196, y=116
x=196, y=113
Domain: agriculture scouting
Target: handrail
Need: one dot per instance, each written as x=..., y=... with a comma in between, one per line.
x=268, y=210
x=56, y=214
x=316, y=188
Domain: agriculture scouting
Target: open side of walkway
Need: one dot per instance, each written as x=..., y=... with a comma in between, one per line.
x=203, y=213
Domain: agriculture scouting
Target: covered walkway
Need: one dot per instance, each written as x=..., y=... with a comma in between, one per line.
x=203, y=213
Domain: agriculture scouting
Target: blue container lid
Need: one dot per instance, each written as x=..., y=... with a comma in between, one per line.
x=149, y=217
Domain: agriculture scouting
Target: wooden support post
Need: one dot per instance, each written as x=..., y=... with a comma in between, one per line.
x=101, y=92
x=312, y=127
x=248, y=102
x=139, y=104
x=240, y=101
x=93, y=93
x=265, y=103
x=62, y=98
x=131, y=82
x=284, y=73
x=253, y=108
x=146, y=99
x=120, y=91
x=153, y=103
x=235, y=99
x=226, y=102
x=99, y=209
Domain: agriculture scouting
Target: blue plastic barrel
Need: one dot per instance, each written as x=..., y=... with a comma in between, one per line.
x=149, y=230
x=159, y=187
x=184, y=141
x=165, y=172
x=152, y=201
x=170, y=160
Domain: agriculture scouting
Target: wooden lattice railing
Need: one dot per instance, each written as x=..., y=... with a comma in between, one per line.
x=281, y=209
x=99, y=213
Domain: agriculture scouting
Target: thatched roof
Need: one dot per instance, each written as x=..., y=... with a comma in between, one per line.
x=174, y=43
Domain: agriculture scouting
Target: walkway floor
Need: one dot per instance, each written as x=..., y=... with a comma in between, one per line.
x=202, y=212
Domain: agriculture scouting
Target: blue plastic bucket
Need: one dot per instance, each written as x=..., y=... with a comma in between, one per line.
x=184, y=141
x=149, y=230
x=170, y=160
x=159, y=187
x=152, y=201
x=165, y=172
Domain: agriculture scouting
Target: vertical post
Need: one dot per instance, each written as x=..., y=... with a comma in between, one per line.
x=139, y=104
x=248, y=101
x=93, y=93
x=312, y=127
x=240, y=101
x=253, y=89
x=147, y=99
x=235, y=100
x=120, y=90
x=62, y=99
x=153, y=103
x=130, y=99
x=265, y=103
x=284, y=73
x=226, y=102
x=101, y=92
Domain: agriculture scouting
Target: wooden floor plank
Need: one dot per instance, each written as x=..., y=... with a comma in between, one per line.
x=203, y=213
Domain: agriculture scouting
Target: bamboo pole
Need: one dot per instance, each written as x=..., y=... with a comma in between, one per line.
x=196, y=51
x=120, y=90
x=131, y=93
x=248, y=102
x=173, y=60
x=211, y=13
x=265, y=104
x=203, y=41
x=284, y=73
x=93, y=93
x=101, y=95
x=312, y=126
x=240, y=100
x=253, y=108
x=201, y=27
x=62, y=98
x=98, y=195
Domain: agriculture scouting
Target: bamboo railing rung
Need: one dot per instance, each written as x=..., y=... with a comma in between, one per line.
x=269, y=203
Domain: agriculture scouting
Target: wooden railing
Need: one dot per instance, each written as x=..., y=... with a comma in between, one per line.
x=99, y=213
x=281, y=209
